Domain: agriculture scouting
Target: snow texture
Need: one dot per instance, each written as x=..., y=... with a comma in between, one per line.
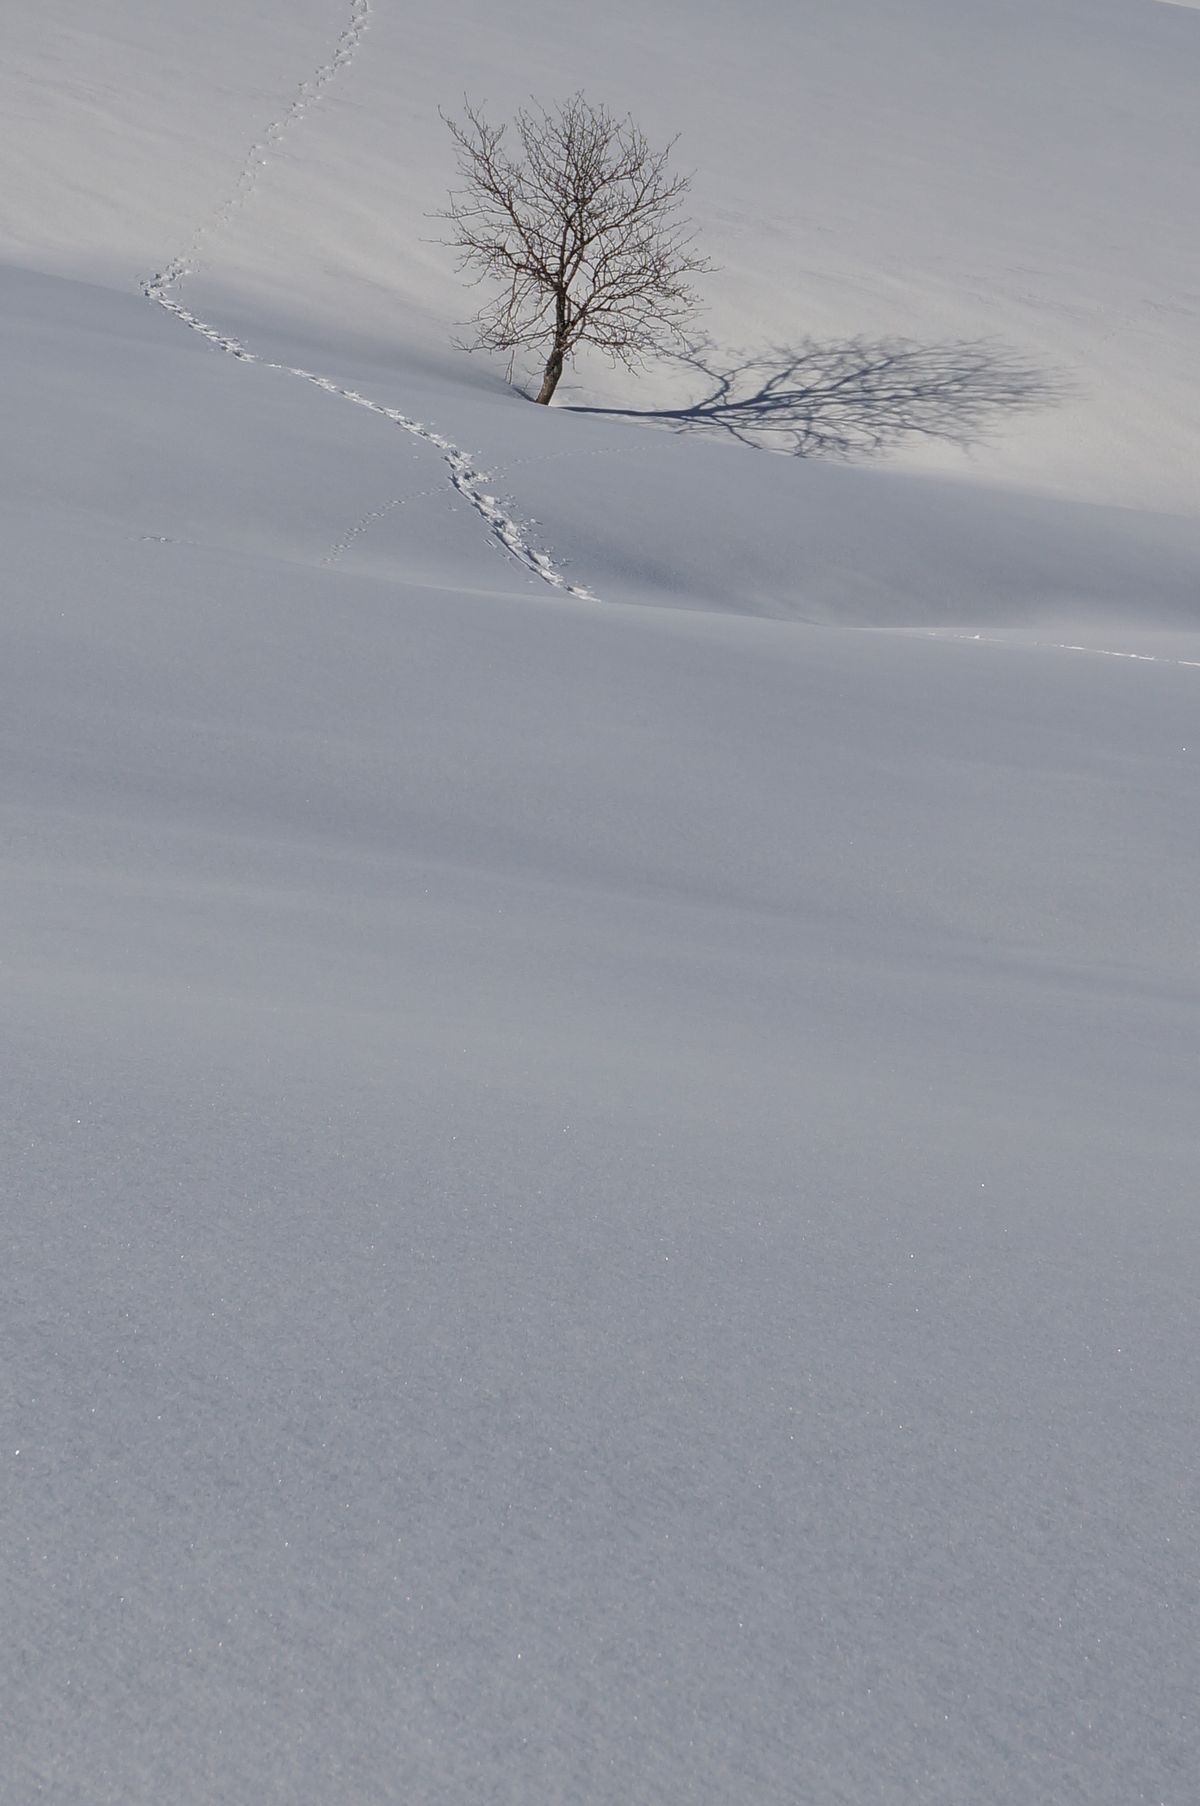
x=599, y=1196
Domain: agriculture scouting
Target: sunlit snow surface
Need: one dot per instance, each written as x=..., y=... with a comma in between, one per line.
x=599, y=1030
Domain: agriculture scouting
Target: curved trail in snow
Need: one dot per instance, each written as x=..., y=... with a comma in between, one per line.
x=163, y=289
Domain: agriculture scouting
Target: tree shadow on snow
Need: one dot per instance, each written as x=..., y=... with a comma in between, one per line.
x=854, y=399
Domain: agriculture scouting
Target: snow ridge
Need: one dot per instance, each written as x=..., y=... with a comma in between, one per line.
x=163, y=288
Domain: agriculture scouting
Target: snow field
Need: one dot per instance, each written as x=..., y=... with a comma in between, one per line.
x=598, y=1195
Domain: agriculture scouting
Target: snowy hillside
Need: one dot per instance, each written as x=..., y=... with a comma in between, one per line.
x=599, y=1027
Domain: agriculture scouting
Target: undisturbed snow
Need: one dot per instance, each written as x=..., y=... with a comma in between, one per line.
x=599, y=1194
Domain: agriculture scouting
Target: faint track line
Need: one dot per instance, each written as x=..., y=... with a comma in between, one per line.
x=374, y=515
x=987, y=639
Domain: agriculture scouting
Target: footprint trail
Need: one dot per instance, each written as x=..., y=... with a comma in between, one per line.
x=188, y=261
x=163, y=288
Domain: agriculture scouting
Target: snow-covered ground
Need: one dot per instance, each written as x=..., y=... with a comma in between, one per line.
x=600, y=1036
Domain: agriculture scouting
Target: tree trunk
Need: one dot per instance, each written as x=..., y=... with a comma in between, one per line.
x=550, y=376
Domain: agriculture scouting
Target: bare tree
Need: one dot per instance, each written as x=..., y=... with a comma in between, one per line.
x=580, y=224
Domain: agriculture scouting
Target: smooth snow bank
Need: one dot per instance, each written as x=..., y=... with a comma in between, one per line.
x=598, y=1200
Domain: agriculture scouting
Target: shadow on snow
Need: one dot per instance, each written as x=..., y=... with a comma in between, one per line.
x=853, y=399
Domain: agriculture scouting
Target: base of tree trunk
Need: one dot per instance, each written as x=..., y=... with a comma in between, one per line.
x=550, y=376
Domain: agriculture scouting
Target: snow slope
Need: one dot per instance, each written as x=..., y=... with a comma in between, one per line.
x=599, y=1187
x=948, y=167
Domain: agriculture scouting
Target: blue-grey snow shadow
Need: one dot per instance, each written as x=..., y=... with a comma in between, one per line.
x=854, y=398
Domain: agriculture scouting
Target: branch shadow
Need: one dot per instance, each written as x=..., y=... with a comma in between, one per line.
x=856, y=398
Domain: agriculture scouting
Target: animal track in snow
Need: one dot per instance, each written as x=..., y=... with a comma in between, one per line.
x=340, y=547
x=309, y=91
x=373, y=515
x=164, y=287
